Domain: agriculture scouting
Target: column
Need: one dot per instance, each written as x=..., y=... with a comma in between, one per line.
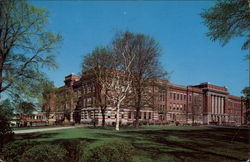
x=223, y=101
x=222, y=105
x=212, y=101
x=215, y=104
x=219, y=105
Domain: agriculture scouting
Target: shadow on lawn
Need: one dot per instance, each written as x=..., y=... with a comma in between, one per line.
x=209, y=144
x=30, y=136
x=206, y=143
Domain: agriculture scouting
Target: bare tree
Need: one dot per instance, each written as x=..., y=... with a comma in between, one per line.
x=146, y=68
x=48, y=98
x=118, y=82
x=196, y=108
x=97, y=63
x=246, y=100
x=65, y=101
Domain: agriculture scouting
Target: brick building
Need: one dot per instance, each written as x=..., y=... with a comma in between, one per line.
x=171, y=104
x=24, y=120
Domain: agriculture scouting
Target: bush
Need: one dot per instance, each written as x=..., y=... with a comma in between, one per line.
x=46, y=152
x=110, y=152
x=6, y=113
x=12, y=152
x=6, y=134
x=74, y=147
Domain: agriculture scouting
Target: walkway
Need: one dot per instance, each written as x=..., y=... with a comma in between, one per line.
x=41, y=129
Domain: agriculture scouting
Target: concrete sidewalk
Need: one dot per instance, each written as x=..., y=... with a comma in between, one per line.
x=40, y=130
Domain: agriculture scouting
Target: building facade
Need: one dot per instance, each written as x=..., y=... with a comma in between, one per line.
x=205, y=103
x=24, y=120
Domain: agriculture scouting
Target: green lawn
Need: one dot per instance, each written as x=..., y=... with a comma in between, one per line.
x=162, y=143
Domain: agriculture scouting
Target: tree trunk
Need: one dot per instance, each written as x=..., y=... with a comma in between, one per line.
x=137, y=121
x=103, y=117
x=1, y=76
x=117, y=116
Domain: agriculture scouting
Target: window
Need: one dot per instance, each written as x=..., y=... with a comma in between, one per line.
x=129, y=115
x=177, y=97
x=184, y=97
x=162, y=96
x=159, y=98
x=174, y=117
x=91, y=114
x=85, y=115
x=174, y=96
x=161, y=108
x=122, y=116
x=156, y=89
x=79, y=102
x=89, y=89
x=145, y=115
x=149, y=115
x=89, y=100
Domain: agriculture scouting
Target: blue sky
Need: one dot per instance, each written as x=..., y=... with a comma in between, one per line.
x=187, y=53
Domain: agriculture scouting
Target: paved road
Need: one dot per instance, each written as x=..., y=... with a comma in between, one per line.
x=40, y=129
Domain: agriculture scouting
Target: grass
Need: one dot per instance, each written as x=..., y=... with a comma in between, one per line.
x=162, y=143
